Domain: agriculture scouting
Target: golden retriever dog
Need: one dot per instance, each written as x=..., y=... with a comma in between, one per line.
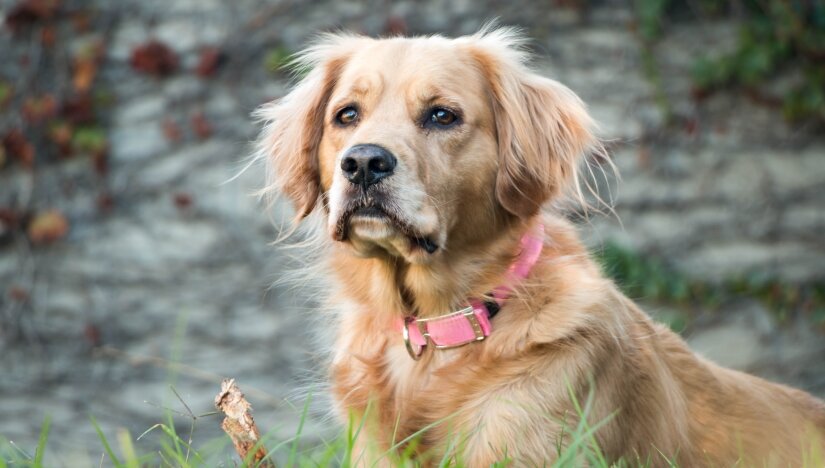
x=430, y=165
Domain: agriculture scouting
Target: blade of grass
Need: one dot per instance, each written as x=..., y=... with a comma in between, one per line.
x=178, y=451
x=351, y=437
x=169, y=429
x=41, y=442
x=417, y=434
x=448, y=453
x=583, y=414
x=293, y=451
x=193, y=418
x=106, y=446
x=127, y=448
x=177, y=346
x=20, y=450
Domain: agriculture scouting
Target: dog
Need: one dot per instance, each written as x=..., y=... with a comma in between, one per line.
x=469, y=320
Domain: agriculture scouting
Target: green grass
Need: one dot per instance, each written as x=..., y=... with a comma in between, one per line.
x=170, y=448
x=576, y=446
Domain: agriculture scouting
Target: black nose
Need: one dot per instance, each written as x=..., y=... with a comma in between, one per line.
x=367, y=164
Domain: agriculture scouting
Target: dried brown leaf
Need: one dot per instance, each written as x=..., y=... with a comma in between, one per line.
x=61, y=135
x=83, y=74
x=48, y=227
x=37, y=109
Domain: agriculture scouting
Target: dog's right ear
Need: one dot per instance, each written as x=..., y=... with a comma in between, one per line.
x=293, y=129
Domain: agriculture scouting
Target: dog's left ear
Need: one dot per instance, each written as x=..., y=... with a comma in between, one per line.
x=542, y=127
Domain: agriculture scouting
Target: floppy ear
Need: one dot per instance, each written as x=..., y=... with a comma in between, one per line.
x=543, y=130
x=292, y=134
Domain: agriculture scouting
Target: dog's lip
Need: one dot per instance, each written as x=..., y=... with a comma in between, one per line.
x=417, y=240
x=371, y=211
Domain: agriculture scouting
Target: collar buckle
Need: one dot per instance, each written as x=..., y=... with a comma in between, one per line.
x=415, y=351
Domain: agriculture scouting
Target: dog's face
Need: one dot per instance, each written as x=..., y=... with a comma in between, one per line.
x=408, y=149
x=414, y=144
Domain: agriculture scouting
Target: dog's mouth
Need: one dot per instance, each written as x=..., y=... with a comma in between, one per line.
x=371, y=210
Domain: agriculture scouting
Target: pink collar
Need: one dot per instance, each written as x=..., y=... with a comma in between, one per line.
x=471, y=323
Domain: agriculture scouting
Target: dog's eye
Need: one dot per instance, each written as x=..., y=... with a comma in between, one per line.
x=441, y=117
x=346, y=115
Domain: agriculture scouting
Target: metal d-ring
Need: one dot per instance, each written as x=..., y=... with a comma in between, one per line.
x=408, y=342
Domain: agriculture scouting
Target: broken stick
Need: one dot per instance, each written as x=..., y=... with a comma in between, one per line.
x=239, y=424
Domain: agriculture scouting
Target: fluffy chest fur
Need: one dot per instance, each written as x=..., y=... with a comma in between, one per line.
x=565, y=332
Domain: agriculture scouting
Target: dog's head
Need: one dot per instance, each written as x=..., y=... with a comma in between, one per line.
x=410, y=145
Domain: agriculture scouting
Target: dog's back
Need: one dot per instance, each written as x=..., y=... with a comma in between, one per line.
x=735, y=418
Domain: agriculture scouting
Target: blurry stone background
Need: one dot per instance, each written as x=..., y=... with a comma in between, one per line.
x=132, y=261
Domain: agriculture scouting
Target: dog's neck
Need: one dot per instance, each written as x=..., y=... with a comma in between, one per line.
x=459, y=273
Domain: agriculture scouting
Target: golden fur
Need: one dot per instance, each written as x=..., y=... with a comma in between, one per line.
x=474, y=189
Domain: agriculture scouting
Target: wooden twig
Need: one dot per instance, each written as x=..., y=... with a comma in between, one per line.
x=239, y=424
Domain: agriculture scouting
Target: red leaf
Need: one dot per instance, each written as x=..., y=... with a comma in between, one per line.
x=154, y=58
x=48, y=36
x=81, y=21
x=211, y=58
x=182, y=200
x=201, y=126
x=9, y=222
x=91, y=333
x=18, y=294
x=105, y=203
x=78, y=109
x=699, y=94
x=10, y=218
x=171, y=130
x=19, y=148
x=395, y=26
x=100, y=161
x=691, y=126
x=28, y=12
